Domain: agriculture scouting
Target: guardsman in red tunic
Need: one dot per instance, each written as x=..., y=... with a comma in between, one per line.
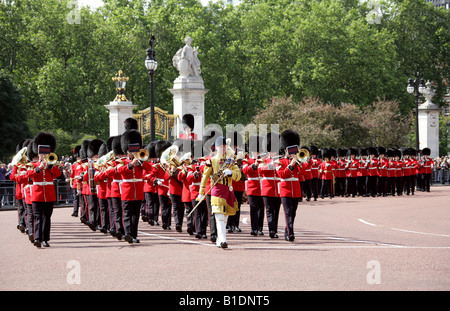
x=406, y=170
x=391, y=171
x=340, y=172
x=116, y=179
x=363, y=172
x=150, y=189
x=90, y=185
x=163, y=185
x=426, y=169
x=414, y=165
x=398, y=172
x=74, y=181
x=43, y=190
x=326, y=173
x=383, y=165
x=253, y=183
x=27, y=184
x=102, y=186
x=352, y=168
x=19, y=168
x=289, y=173
x=188, y=123
x=270, y=183
x=372, y=167
x=186, y=192
x=315, y=163
x=132, y=184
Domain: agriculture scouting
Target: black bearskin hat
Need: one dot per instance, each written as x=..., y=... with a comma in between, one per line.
x=363, y=152
x=326, y=153
x=272, y=142
x=30, y=153
x=93, y=147
x=42, y=138
x=161, y=146
x=289, y=138
x=84, y=148
x=253, y=144
x=314, y=150
x=426, y=151
x=381, y=150
x=130, y=124
x=390, y=153
x=372, y=150
x=109, y=143
x=342, y=152
x=130, y=137
x=76, y=151
x=115, y=145
x=352, y=151
x=150, y=147
x=102, y=150
x=188, y=120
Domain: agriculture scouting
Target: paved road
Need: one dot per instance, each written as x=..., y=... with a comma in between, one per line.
x=394, y=243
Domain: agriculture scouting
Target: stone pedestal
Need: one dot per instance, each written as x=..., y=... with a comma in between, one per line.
x=118, y=112
x=189, y=97
x=429, y=123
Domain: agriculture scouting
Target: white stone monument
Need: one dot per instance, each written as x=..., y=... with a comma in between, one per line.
x=120, y=108
x=188, y=89
x=429, y=122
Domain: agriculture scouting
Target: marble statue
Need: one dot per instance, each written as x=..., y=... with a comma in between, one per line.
x=186, y=60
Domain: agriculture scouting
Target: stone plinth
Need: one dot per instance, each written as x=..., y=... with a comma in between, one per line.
x=429, y=123
x=189, y=97
x=118, y=112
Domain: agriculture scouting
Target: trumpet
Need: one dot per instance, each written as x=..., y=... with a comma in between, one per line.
x=302, y=156
x=142, y=155
x=51, y=158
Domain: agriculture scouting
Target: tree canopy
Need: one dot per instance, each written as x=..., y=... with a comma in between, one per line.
x=249, y=53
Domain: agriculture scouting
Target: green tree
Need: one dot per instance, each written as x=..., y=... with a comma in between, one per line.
x=13, y=128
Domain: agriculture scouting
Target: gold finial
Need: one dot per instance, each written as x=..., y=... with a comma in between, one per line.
x=120, y=81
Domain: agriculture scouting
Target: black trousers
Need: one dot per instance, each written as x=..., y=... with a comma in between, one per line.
x=166, y=210
x=315, y=187
x=191, y=219
x=152, y=201
x=83, y=207
x=326, y=189
x=104, y=213
x=290, y=211
x=200, y=217
x=117, y=206
x=372, y=185
x=399, y=185
x=178, y=209
x=76, y=200
x=407, y=184
x=42, y=220
x=112, y=217
x=234, y=220
x=351, y=186
x=426, y=182
x=272, y=205
x=131, y=211
x=21, y=212
x=212, y=218
x=94, y=215
x=340, y=186
x=256, y=212
x=30, y=219
x=306, y=190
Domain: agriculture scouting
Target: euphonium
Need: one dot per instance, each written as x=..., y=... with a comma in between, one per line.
x=302, y=155
x=169, y=159
x=51, y=158
x=20, y=157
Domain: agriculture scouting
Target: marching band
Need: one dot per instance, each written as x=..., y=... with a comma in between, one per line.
x=118, y=181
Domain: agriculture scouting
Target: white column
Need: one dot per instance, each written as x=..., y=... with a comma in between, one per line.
x=429, y=123
x=118, y=113
x=189, y=97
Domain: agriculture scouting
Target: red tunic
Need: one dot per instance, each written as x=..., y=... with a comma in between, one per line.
x=269, y=180
x=289, y=180
x=253, y=178
x=43, y=189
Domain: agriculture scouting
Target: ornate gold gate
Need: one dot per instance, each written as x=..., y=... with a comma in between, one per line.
x=164, y=123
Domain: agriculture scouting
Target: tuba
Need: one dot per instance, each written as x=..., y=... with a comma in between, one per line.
x=20, y=157
x=186, y=159
x=170, y=160
x=105, y=159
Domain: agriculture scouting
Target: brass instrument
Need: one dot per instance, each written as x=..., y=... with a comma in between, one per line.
x=170, y=160
x=302, y=155
x=186, y=159
x=142, y=155
x=51, y=158
x=91, y=174
x=20, y=157
x=105, y=159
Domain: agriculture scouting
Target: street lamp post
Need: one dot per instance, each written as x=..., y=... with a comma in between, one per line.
x=417, y=87
x=151, y=64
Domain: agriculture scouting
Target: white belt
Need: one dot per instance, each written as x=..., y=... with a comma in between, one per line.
x=253, y=178
x=268, y=178
x=307, y=170
x=42, y=183
x=195, y=184
x=117, y=180
x=289, y=179
x=132, y=180
x=352, y=168
x=372, y=168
